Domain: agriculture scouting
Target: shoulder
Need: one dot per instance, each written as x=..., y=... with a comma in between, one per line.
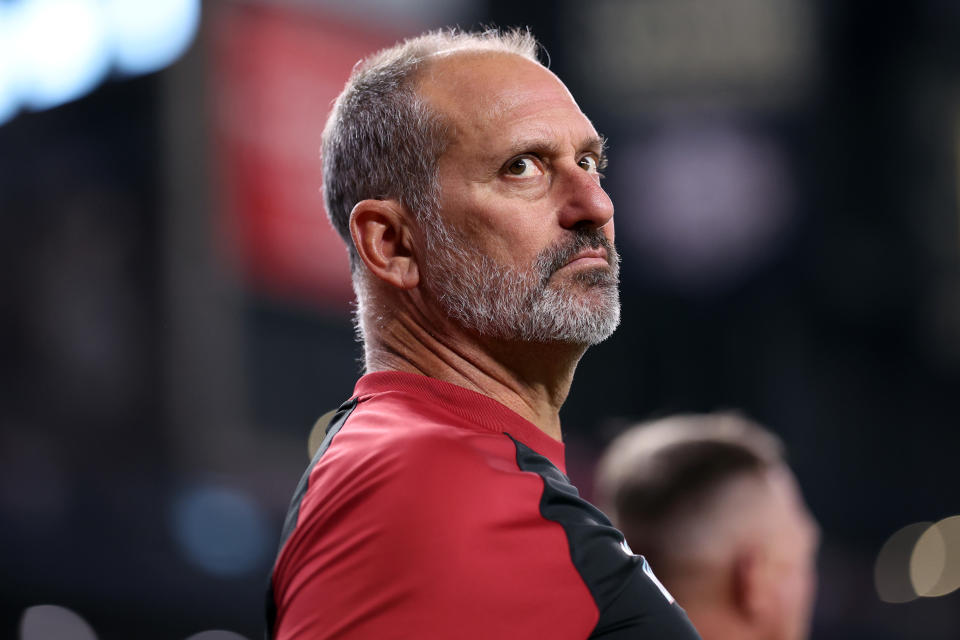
x=424, y=496
x=397, y=434
x=399, y=458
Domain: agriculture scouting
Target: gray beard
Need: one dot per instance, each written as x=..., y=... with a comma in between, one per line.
x=508, y=303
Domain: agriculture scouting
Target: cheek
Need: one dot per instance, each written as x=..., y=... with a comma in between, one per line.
x=797, y=596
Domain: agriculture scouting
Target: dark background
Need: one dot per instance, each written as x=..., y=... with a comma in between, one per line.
x=155, y=402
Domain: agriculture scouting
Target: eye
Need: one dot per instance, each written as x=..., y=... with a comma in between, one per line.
x=524, y=167
x=589, y=164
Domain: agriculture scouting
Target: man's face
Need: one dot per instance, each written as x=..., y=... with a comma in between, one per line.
x=525, y=250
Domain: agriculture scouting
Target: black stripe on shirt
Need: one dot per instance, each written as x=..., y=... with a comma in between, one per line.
x=630, y=603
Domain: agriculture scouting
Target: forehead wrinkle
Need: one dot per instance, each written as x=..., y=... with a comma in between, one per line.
x=509, y=107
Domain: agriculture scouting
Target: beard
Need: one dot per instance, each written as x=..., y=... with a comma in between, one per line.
x=510, y=303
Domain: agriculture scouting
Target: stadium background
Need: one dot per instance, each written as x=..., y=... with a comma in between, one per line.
x=175, y=312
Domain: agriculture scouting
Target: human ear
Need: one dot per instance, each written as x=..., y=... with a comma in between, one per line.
x=382, y=235
x=749, y=584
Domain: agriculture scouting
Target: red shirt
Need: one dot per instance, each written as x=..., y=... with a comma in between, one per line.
x=431, y=511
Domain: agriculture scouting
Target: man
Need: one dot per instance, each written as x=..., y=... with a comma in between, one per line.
x=714, y=508
x=466, y=183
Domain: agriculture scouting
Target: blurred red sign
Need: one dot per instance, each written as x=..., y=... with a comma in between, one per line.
x=274, y=74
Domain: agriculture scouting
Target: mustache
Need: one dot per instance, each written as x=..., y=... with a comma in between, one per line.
x=559, y=255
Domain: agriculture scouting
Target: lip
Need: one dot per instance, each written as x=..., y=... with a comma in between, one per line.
x=590, y=257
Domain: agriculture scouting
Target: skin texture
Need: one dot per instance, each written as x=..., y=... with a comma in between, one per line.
x=520, y=176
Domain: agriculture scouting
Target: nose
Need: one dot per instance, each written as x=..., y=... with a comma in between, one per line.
x=584, y=202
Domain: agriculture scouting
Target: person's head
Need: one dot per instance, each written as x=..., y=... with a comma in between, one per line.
x=709, y=500
x=459, y=170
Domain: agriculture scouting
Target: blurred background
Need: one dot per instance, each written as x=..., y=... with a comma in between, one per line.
x=175, y=309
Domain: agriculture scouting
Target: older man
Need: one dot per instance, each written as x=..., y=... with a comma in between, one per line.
x=465, y=181
x=712, y=504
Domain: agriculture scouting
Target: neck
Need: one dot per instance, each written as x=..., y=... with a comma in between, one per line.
x=532, y=379
x=712, y=610
x=713, y=623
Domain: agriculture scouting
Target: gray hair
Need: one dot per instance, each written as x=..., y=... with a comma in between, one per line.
x=383, y=141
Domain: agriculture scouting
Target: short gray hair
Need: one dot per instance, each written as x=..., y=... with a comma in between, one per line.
x=383, y=141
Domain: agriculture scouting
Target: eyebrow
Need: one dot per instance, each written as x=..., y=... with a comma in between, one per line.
x=547, y=145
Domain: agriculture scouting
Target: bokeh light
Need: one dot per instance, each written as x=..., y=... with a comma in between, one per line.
x=220, y=530
x=927, y=560
x=62, y=46
x=7, y=103
x=55, y=51
x=711, y=203
x=935, y=561
x=52, y=622
x=892, y=569
x=919, y=560
x=148, y=36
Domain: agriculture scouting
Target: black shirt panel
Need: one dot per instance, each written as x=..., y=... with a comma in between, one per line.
x=631, y=602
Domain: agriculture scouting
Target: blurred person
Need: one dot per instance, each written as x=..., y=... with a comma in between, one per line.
x=711, y=504
x=465, y=181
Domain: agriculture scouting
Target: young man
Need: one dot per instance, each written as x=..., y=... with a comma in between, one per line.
x=714, y=507
x=465, y=181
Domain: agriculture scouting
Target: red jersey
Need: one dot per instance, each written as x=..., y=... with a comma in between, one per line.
x=432, y=511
